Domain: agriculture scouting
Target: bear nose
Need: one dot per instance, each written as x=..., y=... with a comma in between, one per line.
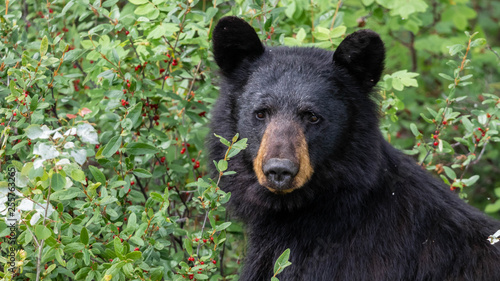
x=280, y=172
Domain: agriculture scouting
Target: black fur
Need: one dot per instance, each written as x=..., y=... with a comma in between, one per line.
x=368, y=212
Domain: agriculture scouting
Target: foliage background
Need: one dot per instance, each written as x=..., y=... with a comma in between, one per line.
x=105, y=106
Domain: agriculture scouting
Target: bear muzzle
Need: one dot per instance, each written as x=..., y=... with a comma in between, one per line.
x=282, y=164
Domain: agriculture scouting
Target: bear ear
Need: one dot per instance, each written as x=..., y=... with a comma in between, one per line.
x=234, y=40
x=362, y=53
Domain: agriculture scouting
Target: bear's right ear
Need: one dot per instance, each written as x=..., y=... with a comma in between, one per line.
x=362, y=53
x=234, y=40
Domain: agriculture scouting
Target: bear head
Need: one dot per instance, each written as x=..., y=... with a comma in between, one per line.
x=305, y=111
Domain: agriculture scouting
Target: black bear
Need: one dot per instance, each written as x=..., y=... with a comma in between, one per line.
x=318, y=177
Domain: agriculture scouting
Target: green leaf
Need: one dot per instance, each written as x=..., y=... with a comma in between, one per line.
x=449, y=172
x=282, y=262
x=84, y=236
x=112, y=146
x=73, y=248
x=470, y=181
x=414, y=129
x=97, y=174
x=42, y=232
x=135, y=255
x=78, y=175
x=222, y=226
x=118, y=246
x=156, y=196
x=57, y=181
x=44, y=46
x=139, y=148
x=188, y=246
x=144, y=9
x=138, y=2
x=142, y=173
x=338, y=31
x=222, y=165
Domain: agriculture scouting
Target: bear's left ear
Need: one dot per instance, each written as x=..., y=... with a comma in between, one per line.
x=362, y=53
x=234, y=40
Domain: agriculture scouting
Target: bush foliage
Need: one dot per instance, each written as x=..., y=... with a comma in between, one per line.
x=105, y=106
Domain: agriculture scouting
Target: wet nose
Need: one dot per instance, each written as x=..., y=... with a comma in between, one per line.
x=280, y=172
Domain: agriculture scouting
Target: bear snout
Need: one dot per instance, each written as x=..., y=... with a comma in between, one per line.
x=280, y=173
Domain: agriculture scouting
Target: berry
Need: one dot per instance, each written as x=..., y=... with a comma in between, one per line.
x=110, y=260
x=183, y=150
x=163, y=159
x=136, y=249
x=51, y=11
x=436, y=143
x=162, y=70
x=127, y=32
x=190, y=259
x=488, y=115
x=214, y=261
x=15, y=114
x=125, y=219
x=174, y=62
x=191, y=276
x=418, y=144
x=444, y=122
x=202, y=263
x=197, y=165
x=204, y=240
x=97, y=146
x=128, y=85
x=435, y=137
x=197, y=239
x=132, y=182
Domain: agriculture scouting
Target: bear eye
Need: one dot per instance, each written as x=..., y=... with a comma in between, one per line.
x=312, y=118
x=260, y=115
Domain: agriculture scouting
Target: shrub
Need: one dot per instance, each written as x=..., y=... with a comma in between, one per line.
x=105, y=105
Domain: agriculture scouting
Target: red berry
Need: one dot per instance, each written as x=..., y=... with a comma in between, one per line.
x=197, y=165
x=51, y=11
x=202, y=263
x=174, y=62
x=132, y=182
x=163, y=159
x=97, y=146
x=193, y=160
x=479, y=129
x=91, y=61
x=204, y=240
x=444, y=122
x=136, y=249
x=191, y=276
x=15, y=114
x=162, y=70
x=211, y=238
x=197, y=239
x=435, y=137
x=127, y=32
x=125, y=219
x=46, y=266
x=436, y=143
x=214, y=261
x=128, y=85
x=110, y=260
x=418, y=144
x=183, y=150
x=488, y=115
x=190, y=259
